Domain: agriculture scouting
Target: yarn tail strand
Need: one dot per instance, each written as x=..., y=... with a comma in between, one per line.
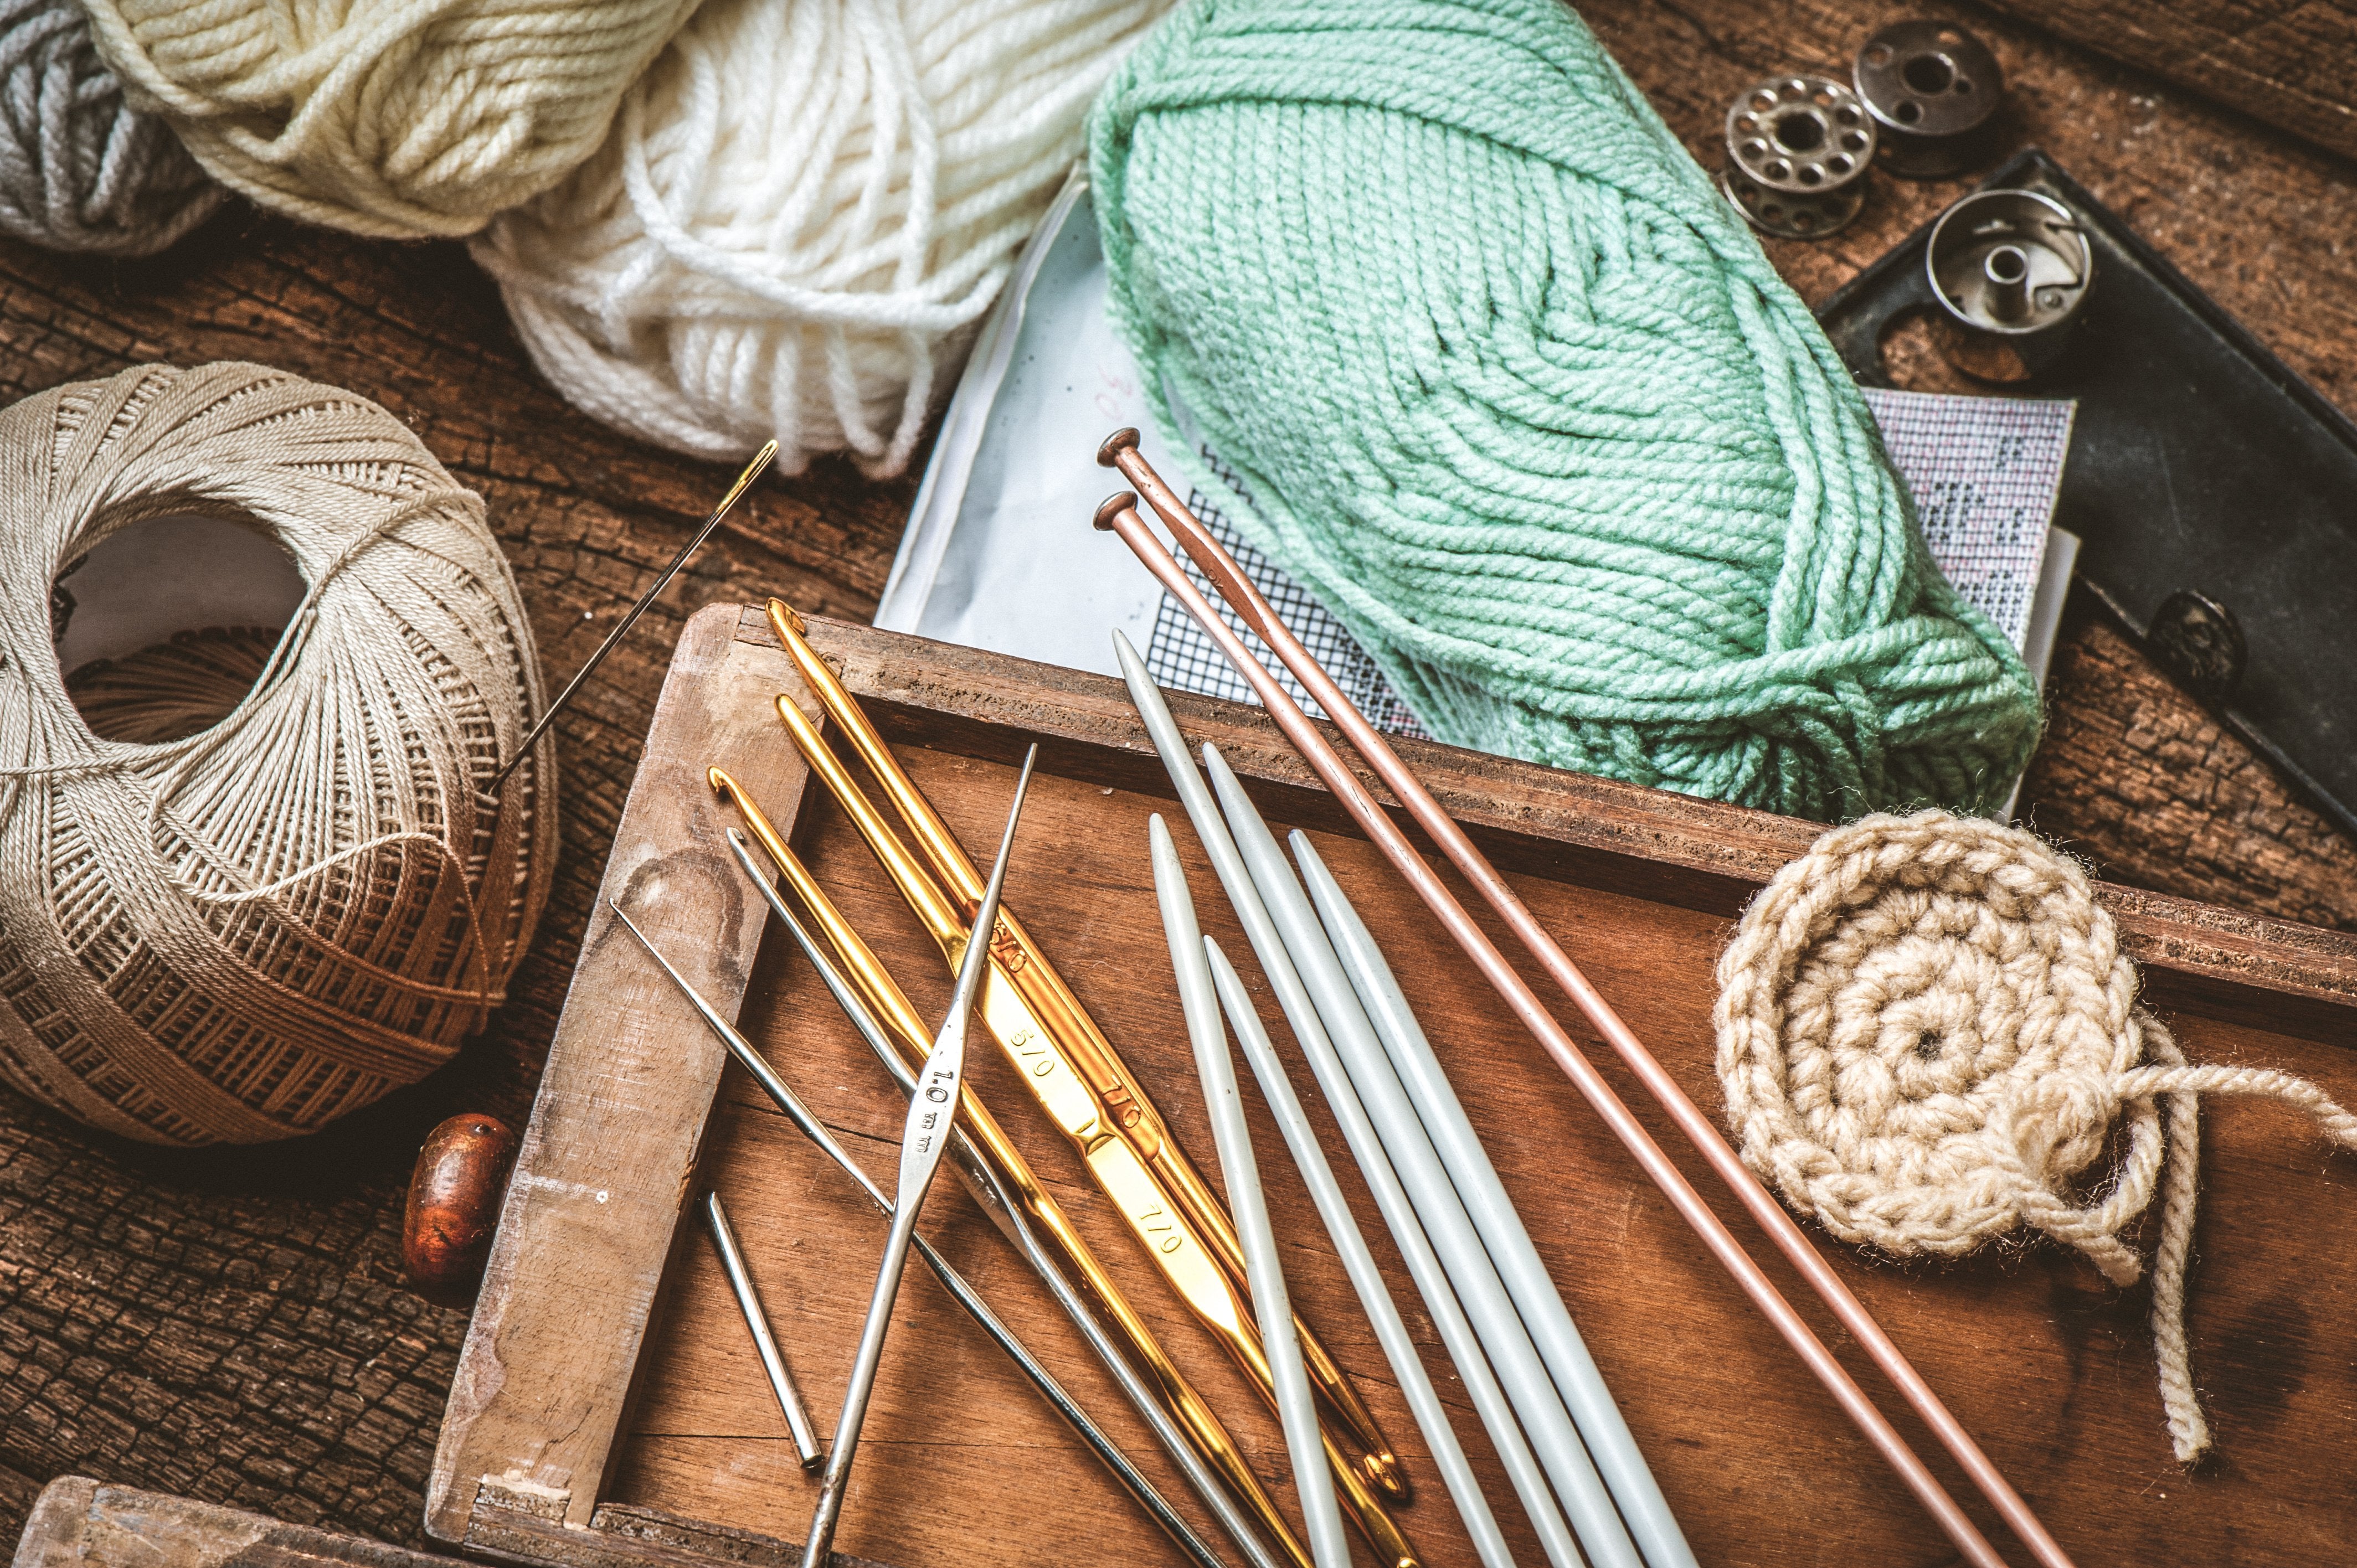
x=1120, y=515
x=752, y=471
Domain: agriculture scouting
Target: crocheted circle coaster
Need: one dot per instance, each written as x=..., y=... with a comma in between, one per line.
x=1926, y=1031
x=1920, y=1023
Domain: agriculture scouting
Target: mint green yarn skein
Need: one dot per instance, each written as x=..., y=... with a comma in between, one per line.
x=1519, y=397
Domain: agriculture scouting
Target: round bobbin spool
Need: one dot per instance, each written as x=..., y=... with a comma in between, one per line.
x=1797, y=151
x=1791, y=217
x=1933, y=91
x=2014, y=263
x=1800, y=135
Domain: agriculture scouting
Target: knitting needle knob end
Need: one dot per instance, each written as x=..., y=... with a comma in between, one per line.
x=1109, y=454
x=1112, y=505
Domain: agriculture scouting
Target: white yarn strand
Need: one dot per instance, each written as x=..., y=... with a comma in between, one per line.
x=801, y=214
x=242, y=934
x=1926, y=1032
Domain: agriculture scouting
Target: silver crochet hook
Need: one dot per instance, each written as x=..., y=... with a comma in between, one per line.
x=923, y=1139
x=1002, y=1207
x=622, y=628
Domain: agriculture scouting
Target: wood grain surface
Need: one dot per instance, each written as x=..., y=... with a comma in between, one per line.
x=2286, y=62
x=234, y=1325
x=960, y=1463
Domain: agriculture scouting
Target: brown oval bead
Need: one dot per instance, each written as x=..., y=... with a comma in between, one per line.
x=454, y=1205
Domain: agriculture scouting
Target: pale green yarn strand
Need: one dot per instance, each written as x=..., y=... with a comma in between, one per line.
x=1516, y=395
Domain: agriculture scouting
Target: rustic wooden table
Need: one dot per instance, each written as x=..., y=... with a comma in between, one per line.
x=233, y=1324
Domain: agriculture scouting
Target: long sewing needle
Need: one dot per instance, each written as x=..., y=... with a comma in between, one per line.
x=806, y=1122
x=1006, y=1212
x=621, y=628
x=923, y=1137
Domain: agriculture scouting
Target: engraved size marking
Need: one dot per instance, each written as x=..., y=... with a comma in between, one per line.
x=1006, y=950
x=1125, y=1110
x=1168, y=1230
x=1039, y=1057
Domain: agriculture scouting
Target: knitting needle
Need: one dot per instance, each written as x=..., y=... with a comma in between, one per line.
x=806, y=1120
x=1232, y=1139
x=1210, y=1439
x=1606, y=1487
x=1119, y=514
x=1006, y=1212
x=1448, y=1455
x=1423, y=1264
x=756, y=1321
x=622, y=628
x=923, y=1138
x=1119, y=1099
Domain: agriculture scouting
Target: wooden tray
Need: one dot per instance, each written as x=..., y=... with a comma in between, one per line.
x=607, y=1407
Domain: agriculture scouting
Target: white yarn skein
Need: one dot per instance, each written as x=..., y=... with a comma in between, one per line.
x=803, y=209
x=1926, y=1030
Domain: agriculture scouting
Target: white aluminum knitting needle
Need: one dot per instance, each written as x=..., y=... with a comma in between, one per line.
x=1574, y=1424
x=1470, y=1169
x=1328, y=1548
x=756, y=1323
x=1119, y=514
x=1423, y=1265
x=923, y=1138
x=806, y=1122
x=1004, y=1212
x=1359, y=1263
x=622, y=628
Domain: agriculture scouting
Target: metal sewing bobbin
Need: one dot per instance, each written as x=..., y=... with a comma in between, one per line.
x=2010, y=269
x=1797, y=151
x=1933, y=91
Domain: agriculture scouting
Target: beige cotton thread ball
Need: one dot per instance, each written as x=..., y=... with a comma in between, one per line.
x=1926, y=1030
x=242, y=934
x=801, y=214
x=399, y=119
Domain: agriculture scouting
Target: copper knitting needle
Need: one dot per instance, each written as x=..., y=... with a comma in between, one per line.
x=891, y=1006
x=1120, y=515
x=622, y=628
x=1118, y=1099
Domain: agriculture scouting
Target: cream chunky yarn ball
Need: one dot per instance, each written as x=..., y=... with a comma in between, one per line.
x=1926, y=1031
x=399, y=118
x=801, y=213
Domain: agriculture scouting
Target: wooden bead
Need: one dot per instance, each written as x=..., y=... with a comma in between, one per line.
x=454, y=1205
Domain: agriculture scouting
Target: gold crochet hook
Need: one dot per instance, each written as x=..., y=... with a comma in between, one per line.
x=1117, y=1172
x=1065, y=1058
x=925, y=1141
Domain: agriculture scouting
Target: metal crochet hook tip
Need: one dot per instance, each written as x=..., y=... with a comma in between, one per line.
x=761, y=460
x=924, y=1140
x=756, y=1323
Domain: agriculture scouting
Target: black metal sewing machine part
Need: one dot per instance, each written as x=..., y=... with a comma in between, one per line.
x=2215, y=490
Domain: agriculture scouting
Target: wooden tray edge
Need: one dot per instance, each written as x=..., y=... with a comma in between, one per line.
x=609, y=1157
x=1700, y=855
